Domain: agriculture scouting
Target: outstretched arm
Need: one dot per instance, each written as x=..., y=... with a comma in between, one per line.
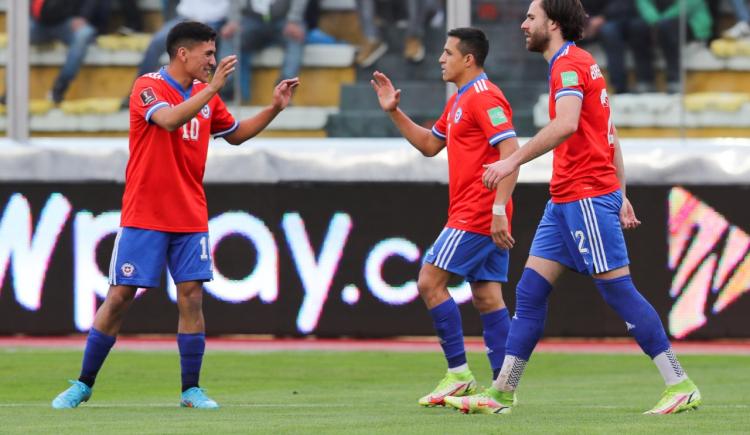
x=421, y=138
x=250, y=127
x=555, y=133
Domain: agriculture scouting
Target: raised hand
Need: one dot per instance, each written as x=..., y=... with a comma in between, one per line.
x=225, y=67
x=283, y=92
x=627, y=215
x=388, y=97
x=495, y=172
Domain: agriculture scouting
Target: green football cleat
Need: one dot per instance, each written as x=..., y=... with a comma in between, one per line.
x=489, y=401
x=72, y=397
x=196, y=398
x=453, y=384
x=684, y=396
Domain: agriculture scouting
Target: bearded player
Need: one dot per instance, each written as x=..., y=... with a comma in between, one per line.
x=581, y=228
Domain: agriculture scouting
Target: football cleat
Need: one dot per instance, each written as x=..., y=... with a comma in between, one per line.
x=490, y=401
x=195, y=398
x=72, y=397
x=684, y=396
x=453, y=384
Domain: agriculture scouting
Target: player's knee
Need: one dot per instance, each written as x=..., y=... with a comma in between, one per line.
x=532, y=292
x=485, y=303
x=119, y=298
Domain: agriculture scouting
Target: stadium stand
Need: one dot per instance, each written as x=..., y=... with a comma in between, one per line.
x=93, y=102
x=336, y=99
x=715, y=102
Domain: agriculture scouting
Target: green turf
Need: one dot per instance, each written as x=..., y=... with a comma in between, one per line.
x=361, y=392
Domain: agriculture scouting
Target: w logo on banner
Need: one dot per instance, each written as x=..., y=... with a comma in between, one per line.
x=695, y=233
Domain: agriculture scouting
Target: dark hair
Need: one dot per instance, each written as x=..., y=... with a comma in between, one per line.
x=186, y=34
x=569, y=14
x=472, y=41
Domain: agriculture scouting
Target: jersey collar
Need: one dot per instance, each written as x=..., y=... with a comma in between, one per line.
x=559, y=52
x=466, y=86
x=173, y=83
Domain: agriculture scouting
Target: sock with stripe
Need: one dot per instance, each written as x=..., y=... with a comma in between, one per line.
x=191, y=348
x=640, y=317
x=495, y=332
x=527, y=326
x=447, y=321
x=670, y=368
x=97, y=348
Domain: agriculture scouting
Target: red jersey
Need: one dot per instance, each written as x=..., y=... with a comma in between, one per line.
x=164, y=176
x=474, y=120
x=583, y=165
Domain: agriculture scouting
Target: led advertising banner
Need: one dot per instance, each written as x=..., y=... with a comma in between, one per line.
x=341, y=259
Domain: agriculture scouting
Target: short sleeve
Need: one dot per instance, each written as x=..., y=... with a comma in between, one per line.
x=440, y=129
x=567, y=79
x=146, y=98
x=494, y=117
x=222, y=122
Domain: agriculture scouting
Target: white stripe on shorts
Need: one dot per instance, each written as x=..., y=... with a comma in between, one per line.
x=456, y=242
x=594, y=239
x=598, y=234
x=113, y=260
x=445, y=248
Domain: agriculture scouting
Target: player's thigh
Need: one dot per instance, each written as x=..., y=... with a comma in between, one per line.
x=552, y=242
x=189, y=257
x=457, y=251
x=492, y=264
x=594, y=224
x=138, y=257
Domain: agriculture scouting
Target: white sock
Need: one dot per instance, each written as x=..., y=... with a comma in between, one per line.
x=669, y=368
x=460, y=369
x=510, y=374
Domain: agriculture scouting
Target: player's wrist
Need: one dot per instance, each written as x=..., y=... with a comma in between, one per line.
x=498, y=209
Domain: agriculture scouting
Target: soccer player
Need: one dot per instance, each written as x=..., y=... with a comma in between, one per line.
x=476, y=128
x=581, y=228
x=164, y=215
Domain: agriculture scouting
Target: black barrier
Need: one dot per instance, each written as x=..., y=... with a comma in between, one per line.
x=341, y=259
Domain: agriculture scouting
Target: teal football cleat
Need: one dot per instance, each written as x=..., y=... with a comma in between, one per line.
x=196, y=398
x=72, y=397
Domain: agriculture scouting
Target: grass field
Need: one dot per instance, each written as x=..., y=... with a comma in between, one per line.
x=361, y=392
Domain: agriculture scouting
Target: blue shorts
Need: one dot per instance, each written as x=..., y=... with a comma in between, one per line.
x=471, y=255
x=584, y=235
x=139, y=255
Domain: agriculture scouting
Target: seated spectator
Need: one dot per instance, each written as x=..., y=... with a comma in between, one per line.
x=75, y=23
x=617, y=25
x=259, y=24
x=374, y=47
x=664, y=17
x=741, y=28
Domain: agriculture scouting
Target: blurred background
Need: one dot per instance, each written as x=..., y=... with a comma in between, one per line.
x=319, y=225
